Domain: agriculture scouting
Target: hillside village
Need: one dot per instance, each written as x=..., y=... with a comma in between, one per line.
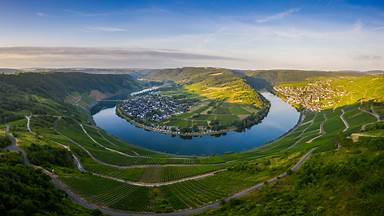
x=314, y=96
x=154, y=107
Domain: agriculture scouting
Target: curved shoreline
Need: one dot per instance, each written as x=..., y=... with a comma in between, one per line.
x=121, y=114
x=280, y=119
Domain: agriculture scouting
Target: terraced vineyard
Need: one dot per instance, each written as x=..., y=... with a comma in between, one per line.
x=118, y=176
x=116, y=172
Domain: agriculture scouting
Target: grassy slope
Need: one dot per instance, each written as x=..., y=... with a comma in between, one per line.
x=344, y=182
x=217, y=84
x=246, y=169
x=227, y=100
x=275, y=77
x=361, y=88
x=44, y=93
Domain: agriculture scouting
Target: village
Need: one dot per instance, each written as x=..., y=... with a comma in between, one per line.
x=154, y=107
x=314, y=96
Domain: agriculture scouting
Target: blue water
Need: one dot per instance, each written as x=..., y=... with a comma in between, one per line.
x=279, y=120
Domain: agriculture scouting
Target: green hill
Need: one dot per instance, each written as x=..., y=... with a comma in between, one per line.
x=212, y=83
x=341, y=177
x=348, y=181
x=46, y=92
x=275, y=77
x=332, y=92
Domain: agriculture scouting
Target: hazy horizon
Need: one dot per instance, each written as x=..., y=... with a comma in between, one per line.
x=310, y=35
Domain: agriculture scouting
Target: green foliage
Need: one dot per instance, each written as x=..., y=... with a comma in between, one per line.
x=275, y=77
x=351, y=177
x=44, y=93
x=46, y=156
x=213, y=83
x=25, y=191
x=4, y=141
x=334, y=92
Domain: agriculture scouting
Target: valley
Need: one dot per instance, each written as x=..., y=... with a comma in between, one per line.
x=194, y=106
x=101, y=171
x=191, y=108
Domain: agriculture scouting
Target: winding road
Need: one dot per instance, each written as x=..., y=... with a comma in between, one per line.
x=344, y=121
x=106, y=148
x=321, y=130
x=216, y=204
x=79, y=200
x=377, y=116
x=29, y=123
x=300, y=136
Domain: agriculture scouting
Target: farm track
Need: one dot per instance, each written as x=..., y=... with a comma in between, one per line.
x=322, y=132
x=114, y=212
x=377, y=116
x=145, y=184
x=344, y=121
x=78, y=199
x=300, y=136
x=106, y=148
x=29, y=123
x=120, y=166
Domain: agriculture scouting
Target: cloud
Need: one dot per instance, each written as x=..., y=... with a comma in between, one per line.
x=87, y=14
x=368, y=57
x=41, y=14
x=378, y=28
x=104, y=29
x=101, y=57
x=358, y=26
x=278, y=16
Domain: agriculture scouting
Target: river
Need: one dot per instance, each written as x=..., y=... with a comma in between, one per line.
x=280, y=119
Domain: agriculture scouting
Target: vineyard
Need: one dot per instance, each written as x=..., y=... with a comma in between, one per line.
x=122, y=176
x=114, y=174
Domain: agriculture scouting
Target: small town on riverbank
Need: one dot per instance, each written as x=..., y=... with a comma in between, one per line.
x=154, y=107
x=314, y=96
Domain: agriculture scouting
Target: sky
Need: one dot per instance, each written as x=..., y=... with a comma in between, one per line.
x=238, y=34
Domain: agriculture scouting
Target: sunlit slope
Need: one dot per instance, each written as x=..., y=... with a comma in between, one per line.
x=212, y=83
x=234, y=91
x=324, y=93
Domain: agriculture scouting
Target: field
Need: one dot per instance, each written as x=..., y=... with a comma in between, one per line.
x=207, y=114
x=116, y=171
x=329, y=93
x=113, y=174
x=207, y=111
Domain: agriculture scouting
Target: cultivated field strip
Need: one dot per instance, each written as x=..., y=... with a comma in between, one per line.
x=199, y=192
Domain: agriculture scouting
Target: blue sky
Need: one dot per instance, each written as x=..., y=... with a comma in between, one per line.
x=327, y=35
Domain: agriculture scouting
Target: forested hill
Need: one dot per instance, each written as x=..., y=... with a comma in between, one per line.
x=282, y=76
x=259, y=79
x=60, y=85
x=188, y=75
x=23, y=93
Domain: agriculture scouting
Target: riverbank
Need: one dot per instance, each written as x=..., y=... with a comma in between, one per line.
x=120, y=113
x=280, y=118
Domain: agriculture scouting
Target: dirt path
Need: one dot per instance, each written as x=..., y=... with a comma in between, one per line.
x=321, y=132
x=344, y=121
x=106, y=148
x=145, y=184
x=75, y=158
x=120, y=166
x=302, y=133
x=14, y=147
x=377, y=116
x=29, y=123
x=216, y=204
x=81, y=201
